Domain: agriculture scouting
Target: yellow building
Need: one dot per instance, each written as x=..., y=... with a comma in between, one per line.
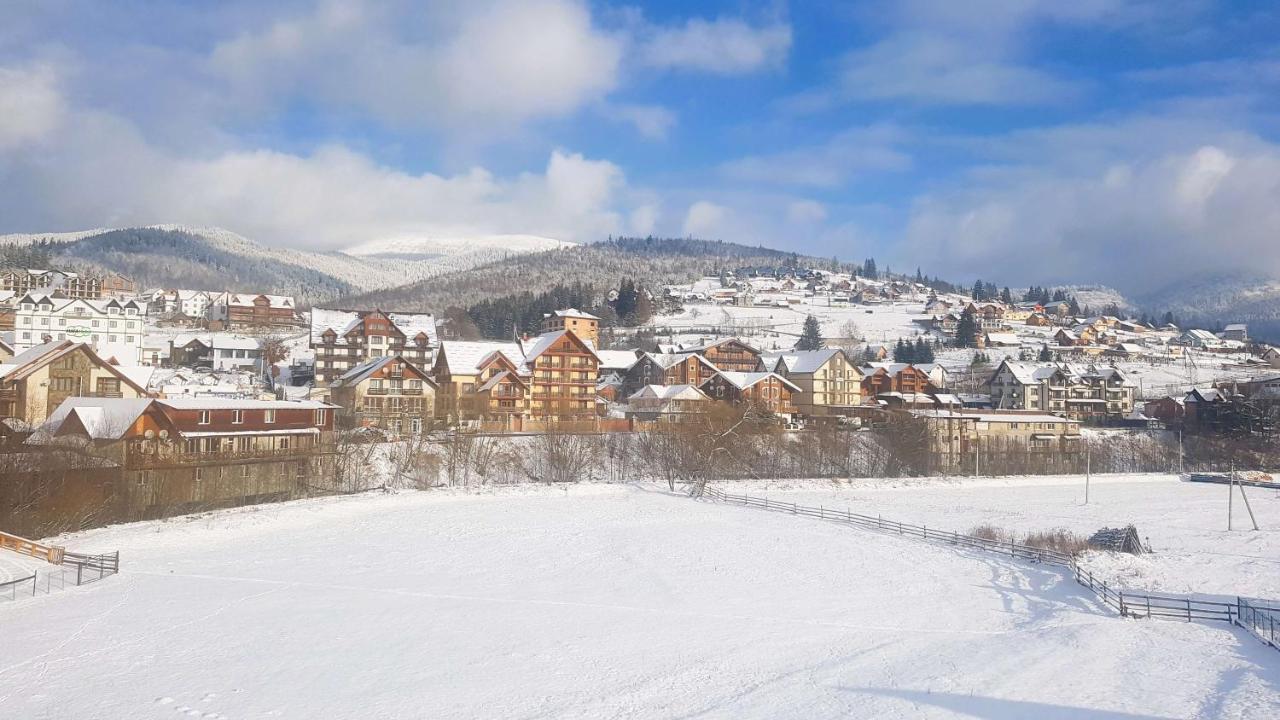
x=583, y=324
x=829, y=384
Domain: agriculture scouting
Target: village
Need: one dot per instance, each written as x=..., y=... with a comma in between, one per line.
x=210, y=398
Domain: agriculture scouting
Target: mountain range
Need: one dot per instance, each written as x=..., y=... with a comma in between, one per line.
x=432, y=273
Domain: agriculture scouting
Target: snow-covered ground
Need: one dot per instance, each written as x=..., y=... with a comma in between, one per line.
x=1185, y=523
x=590, y=602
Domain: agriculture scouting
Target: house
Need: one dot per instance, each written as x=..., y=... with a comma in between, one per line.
x=481, y=381
x=1067, y=338
x=343, y=339
x=616, y=362
x=1203, y=409
x=904, y=377
x=218, y=351
x=829, y=384
x=67, y=284
x=181, y=455
x=113, y=327
x=190, y=303
x=1039, y=319
x=239, y=310
x=961, y=438
x=875, y=353
x=667, y=402
x=583, y=324
x=1001, y=339
x=1272, y=356
x=386, y=393
x=667, y=369
x=1170, y=410
x=1202, y=339
x=728, y=354
x=764, y=391
x=1236, y=332
x=1079, y=392
x=1126, y=351
x=563, y=369
x=36, y=381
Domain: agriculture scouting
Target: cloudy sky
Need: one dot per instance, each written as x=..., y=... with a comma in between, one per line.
x=1122, y=141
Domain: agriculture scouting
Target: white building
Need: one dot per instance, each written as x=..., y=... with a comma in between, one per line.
x=113, y=328
x=192, y=303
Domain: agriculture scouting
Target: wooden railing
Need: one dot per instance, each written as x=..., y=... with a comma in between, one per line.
x=49, y=553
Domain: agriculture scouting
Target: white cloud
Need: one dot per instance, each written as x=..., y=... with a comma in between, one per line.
x=854, y=152
x=1138, y=218
x=483, y=64
x=643, y=220
x=651, y=121
x=727, y=46
x=100, y=171
x=806, y=212
x=705, y=219
x=30, y=105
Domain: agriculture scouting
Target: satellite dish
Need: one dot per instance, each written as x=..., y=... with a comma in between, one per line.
x=163, y=434
x=149, y=434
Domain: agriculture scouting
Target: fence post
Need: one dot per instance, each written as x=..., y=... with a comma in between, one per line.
x=79, y=569
x=1122, y=610
x=35, y=578
x=793, y=508
x=822, y=513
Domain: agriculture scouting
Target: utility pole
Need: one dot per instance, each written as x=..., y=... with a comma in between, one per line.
x=1231, y=493
x=1179, y=451
x=1087, y=474
x=1245, y=498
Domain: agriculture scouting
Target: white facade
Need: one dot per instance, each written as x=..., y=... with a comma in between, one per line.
x=113, y=328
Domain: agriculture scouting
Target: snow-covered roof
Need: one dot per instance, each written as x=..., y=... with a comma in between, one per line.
x=218, y=341
x=102, y=418
x=999, y=338
x=246, y=300
x=1009, y=416
x=543, y=342
x=669, y=392
x=616, y=359
x=574, y=313
x=241, y=404
x=802, y=362
x=343, y=321
x=744, y=380
x=464, y=357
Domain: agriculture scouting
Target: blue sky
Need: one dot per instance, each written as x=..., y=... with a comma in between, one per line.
x=1121, y=141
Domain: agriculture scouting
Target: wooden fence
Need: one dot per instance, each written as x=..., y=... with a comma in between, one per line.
x=23, y=546
x=75, y=570
x=1259, y=618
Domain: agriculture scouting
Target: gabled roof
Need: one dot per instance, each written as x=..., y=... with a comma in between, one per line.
x=497, y=379
x=802, y=362
x=466, y=357
x=574, y=313
x=744, y=380
x=616, y=359
x=95, y=418
x=344, y=321
x=669, y=360
x=543, y=342
x=669, y=392
x=27, y=362
x=361, y=372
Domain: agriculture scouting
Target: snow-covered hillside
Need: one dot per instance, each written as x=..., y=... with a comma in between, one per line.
x=371, y=266
x=448, y=246
x=591, y=602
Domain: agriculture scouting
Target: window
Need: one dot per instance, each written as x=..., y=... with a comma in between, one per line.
x=322, y=416
x=204, y=417
x=199, y=474
x=268, y=416
x=108, y=387
x=237, y=417
x=415, y=425
x=244, y=471
x=65, y=385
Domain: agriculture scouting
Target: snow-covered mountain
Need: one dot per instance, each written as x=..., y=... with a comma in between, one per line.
x=1221, y=299
x=421, y=247
x=215, y=258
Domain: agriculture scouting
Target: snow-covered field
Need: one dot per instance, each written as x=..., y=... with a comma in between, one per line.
x=591, y=602
x=1184, y=523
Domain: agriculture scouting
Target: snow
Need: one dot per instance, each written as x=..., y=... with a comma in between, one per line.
x=1185, y=523
x=591, y=602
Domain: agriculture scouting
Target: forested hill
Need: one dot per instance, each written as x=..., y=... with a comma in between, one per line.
x=648, y=261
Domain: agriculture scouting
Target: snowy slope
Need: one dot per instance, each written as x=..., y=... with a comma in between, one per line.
x=372, y=266
x=591, y=602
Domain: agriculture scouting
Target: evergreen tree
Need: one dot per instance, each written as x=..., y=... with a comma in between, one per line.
x=869, y=269
x=1059, y=295
x=810, y=335
x=919, y=277
x=903, y=352
x=1045, y=355
x=1044, y=297
x=643, y=308
x=978, y=290
x=923, y=351
x=1006, y=296
x=967, y=330
x=1169, y=319
x=1074, y=307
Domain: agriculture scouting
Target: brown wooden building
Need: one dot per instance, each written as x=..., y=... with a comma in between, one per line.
x=765, y=391
x=730, y=354
x=36, y=381
x=343, y=339
x=666, y=369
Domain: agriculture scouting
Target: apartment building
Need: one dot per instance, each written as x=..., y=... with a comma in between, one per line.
x=344, y=339
x=386, y=393
x=563, y=369
x=1081, y=392
x=485, y=381
x=583, y=324
x=247, y=310
x=113, y=327
x=829, y=384
x=766, y=391
x=666, y=369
